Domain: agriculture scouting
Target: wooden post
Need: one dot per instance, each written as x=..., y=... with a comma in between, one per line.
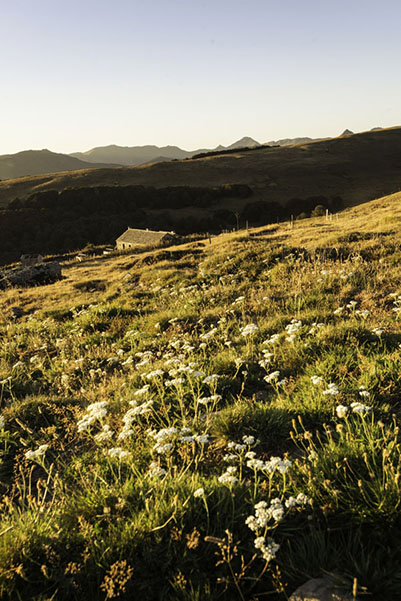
x=327, y=214
x=292, y=221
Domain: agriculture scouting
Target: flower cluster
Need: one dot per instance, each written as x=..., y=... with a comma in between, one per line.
x=157, y=373
x=275, y=464
x=229, y=477
x=267, y=547
x=292, y=329
x=94, y=412
x=249, y=330
x=118, y=453
x=274, y=375
x=39, y=452
x=156, y=471
x=162, y=437
x=331, y=390
x=207, y=400
x=130, y=416
x=356, y=407
x=260, y=522
x=274, y=338
x=104, y=435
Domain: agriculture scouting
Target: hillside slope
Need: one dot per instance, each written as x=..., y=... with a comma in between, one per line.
x=218, y=420
x=356, y=168
x=36, y=162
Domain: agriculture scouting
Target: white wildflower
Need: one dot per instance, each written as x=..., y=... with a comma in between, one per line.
x=249, y=330
x=259, y=542
x=39, y=452
x=332, y=389
x=291, y=502
x=157, y=373
x=211, y=379
x=229, y=476
x=249, y=440
x=269, y=551
x=210, y=334
x=360, y=408
x=105, y=434
x=156, y=471
x=255, y=464
x=118, y=453
x=161, y=449
x=302, y=499
x=341, y=411
x=272, y=376
x=230, y=458
x=176, y=382
x=277, y=464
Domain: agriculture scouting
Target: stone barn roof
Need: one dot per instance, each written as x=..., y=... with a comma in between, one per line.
x=133, y=236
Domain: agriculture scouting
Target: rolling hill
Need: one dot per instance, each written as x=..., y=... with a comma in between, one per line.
x=356, y=168
x=36, y=162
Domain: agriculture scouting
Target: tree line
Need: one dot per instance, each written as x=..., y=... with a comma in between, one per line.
x=51, y=222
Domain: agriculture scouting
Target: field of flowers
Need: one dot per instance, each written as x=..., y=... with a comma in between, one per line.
x=224, y=425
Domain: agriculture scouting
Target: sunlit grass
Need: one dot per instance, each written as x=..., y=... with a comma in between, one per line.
x=142, y=425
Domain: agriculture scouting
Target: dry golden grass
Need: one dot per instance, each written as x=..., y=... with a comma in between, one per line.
x=371, y=221
x=357, y=168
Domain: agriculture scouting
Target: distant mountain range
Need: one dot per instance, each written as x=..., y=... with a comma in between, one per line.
x=131, y=156
x=39, y=162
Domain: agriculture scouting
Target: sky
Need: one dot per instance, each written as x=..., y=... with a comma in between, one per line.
x=194, y=73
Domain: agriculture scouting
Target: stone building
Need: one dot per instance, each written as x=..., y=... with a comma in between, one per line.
x=132, y=238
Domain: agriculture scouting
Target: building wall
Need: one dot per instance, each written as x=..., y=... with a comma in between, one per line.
x=124, y=245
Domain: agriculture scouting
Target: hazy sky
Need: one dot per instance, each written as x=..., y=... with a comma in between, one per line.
x=194, y=73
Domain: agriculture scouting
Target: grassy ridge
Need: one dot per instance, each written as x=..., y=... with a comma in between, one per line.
x=357, y=168
x=218, y=421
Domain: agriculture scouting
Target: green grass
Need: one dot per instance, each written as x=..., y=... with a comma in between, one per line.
x=147, y=494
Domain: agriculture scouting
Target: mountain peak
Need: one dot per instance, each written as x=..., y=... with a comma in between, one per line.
x=244, y=142
x=347, y=132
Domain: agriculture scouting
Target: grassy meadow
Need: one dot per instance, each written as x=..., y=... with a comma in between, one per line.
x=208, y=421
